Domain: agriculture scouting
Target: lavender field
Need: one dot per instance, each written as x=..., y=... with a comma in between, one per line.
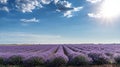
x=74, y=55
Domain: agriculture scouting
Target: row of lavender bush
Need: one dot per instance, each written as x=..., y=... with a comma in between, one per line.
x=59, y=55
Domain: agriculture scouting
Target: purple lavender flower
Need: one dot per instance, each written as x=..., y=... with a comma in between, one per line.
x=39, y=58
x=76, y=58
x=99, y=58
x=58, y=59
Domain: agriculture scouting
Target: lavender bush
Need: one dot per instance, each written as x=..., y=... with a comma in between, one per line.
x=1, y=60
x=34, y=61
x=15, y=60
x=99, y=58
x=37, y=58
x=58, y=59
x=76, y=58
x=59, y=55
x=117, y=58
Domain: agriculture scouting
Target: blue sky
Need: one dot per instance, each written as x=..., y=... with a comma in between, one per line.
x=59, y=21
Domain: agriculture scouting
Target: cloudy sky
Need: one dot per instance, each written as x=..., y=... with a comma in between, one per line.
x=59, y=21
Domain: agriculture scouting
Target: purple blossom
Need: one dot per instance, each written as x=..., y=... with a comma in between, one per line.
x=58, y=59
x=98, y=54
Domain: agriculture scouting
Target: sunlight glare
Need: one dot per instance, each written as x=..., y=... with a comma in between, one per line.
x=110, y=9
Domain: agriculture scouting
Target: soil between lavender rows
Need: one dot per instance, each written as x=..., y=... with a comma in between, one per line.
x=106, y=65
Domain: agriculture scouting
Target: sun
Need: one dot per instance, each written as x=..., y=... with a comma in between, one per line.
x=110, y=9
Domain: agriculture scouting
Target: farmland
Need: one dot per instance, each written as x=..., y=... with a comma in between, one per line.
x=70, y=55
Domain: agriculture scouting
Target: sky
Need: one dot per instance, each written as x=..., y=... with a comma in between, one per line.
x=59, y=21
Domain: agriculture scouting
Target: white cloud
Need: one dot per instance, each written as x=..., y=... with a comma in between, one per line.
x=93, y=1
x=24, y=6
x=67, y=8
x=93, y=15
x=69, y=13
x=46, y=1
x=29, y=20
x=3, y=1
x=63, y=5
x=77, y=8
x=4, y=9
x=56, y=1
x=66, y=4
x=27, y=5
x=30, y=5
